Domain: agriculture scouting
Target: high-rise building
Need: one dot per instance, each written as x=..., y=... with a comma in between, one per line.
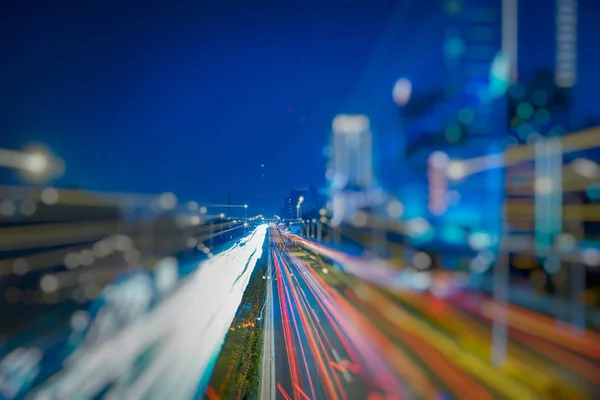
x=352, y=152
x=566, y=43
x=351, y=166
x=468, y=111
x=473, y=45
x=306, y=198
x=476, y=108
x=288, y=211
x=468, y=120
x=302, y=203
x=313, y=200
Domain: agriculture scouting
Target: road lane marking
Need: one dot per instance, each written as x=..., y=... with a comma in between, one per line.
x=338, y=360
x=304, y=395
x=315, y=314
x=283, y=392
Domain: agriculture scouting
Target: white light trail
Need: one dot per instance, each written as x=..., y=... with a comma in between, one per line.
x=185, y=332
x=34, y=163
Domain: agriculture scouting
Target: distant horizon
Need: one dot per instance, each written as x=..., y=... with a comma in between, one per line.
x=196, y=99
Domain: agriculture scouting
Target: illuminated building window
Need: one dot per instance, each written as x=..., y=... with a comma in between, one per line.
x=566, y=43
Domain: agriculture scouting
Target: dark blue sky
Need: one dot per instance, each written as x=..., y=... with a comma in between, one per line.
x=193, y=96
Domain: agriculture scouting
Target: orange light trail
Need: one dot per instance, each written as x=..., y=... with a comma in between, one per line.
x=454, y=378
x=304, y=295
x=210, y=394
x=341, y=323
x=314, y=347
x=304, y=395
x=296, y=330
x=289, y=343
x=283, y=392
x=449, y=337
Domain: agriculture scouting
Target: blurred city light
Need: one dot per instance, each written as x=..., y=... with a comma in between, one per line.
x=402, y=91
x=442, y=243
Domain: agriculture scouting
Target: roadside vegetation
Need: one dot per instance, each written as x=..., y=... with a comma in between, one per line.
x=238, y=368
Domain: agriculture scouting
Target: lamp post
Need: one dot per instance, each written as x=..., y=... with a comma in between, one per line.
x=36, y=163
x=299, y=207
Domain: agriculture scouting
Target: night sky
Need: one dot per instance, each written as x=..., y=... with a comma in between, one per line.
x=193, y=96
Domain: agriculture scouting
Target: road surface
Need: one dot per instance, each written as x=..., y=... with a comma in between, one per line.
x=320, y=353
x=443, y=336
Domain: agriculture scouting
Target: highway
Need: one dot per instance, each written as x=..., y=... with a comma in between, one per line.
x=165, y=351
x=440, y=342
x=354, y=335
x=321, y=352
x=346, y=332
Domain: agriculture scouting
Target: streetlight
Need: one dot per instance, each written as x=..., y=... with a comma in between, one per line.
x=401, y=94
x=402, y=91
x=36, y=163
x=300, y=201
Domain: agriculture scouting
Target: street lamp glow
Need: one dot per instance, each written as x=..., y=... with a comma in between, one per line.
x=222, y=215
x=245, y=205
x=301, y=199
x=456, y=170
x=36, y=163
x=586, y=168
x=402, y=92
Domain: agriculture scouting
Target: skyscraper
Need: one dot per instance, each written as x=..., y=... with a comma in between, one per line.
x=351, y=170
x=566, y=43
x=352, y=152
x=473, y=42
x=288, y=211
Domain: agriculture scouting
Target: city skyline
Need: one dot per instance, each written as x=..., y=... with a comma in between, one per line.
x=139, y=109
x=317, y=199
